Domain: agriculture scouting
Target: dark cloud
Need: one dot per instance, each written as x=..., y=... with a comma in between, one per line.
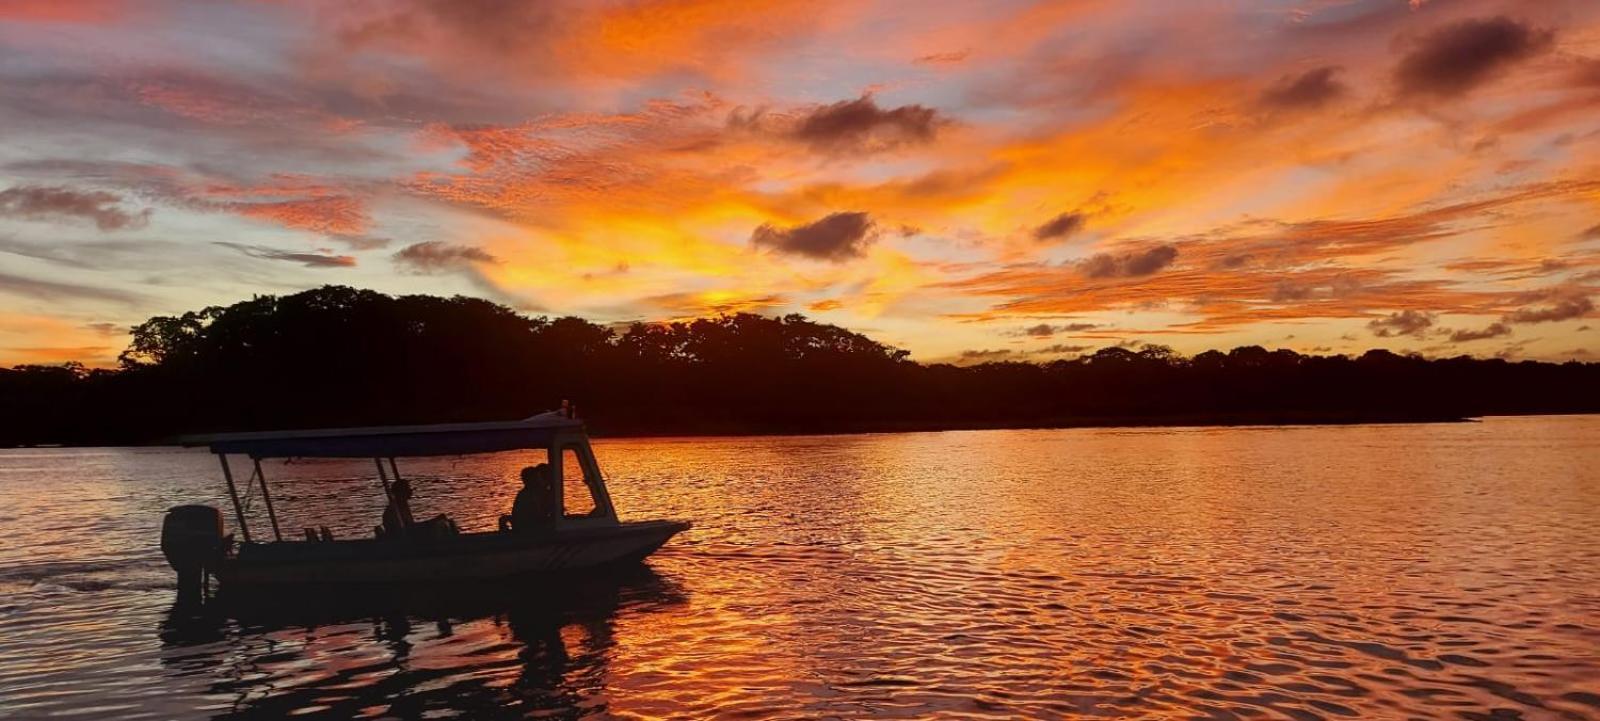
x=53, y=291
x=35, y=202
x=1045, y=330
x=1494, y=330
x=1591, y=234
x=1458, y=57
x=1062, y=226
x=1407, y=322
x=984, y=355
x=835, y=237
x=861, y=126
x=950, y=58
x=437, y=256
x=309, y=260
x=1563, y=309
x=1062, y=348
x=357, y=241
x=1311, y=89
x=1128, y=265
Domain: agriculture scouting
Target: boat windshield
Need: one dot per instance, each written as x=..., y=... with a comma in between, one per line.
x=577, y=497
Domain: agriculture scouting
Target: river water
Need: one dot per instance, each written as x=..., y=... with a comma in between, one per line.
x=1421, y=571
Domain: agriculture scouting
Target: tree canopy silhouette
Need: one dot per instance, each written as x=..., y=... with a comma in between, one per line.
x=337, y=356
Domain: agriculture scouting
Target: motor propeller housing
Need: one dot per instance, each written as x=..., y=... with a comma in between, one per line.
x=192, y=540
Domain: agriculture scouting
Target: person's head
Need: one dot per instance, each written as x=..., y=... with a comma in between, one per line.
x=535, y=474
x=402, y=489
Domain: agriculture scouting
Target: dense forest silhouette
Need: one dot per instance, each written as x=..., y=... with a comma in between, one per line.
x=338, y=356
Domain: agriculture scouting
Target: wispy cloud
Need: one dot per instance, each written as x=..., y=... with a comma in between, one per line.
x=61, y=291
x=309, y=260
x=44, y=203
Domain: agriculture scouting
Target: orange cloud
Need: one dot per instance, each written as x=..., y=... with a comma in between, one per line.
x=54, y=11
x=536, y=42
x=332, y=214
x=1257, y=166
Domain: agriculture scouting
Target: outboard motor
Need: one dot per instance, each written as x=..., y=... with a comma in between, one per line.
x=191, y=539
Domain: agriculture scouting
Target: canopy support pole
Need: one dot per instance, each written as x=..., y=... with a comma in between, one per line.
x=388, y=491
x=233, y=492
x=271, y=513
x=383, y=477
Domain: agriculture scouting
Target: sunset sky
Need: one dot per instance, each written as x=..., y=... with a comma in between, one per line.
x=969, y=181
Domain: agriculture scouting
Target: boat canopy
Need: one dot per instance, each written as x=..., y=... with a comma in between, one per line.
x=446, y=439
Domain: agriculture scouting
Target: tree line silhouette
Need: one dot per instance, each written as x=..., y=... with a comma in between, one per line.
x=339, y=356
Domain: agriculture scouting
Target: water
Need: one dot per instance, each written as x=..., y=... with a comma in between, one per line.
x=1431, y=571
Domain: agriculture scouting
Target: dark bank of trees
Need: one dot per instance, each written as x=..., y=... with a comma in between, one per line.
x=339, y=356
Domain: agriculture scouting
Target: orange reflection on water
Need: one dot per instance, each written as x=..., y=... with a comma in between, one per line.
x=1375, y=572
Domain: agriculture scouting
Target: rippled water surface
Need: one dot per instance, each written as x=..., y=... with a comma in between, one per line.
x=1438, y=571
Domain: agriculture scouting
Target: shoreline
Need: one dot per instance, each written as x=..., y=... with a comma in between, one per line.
x=733, y=429
x=1238, y=420
x=711, y=429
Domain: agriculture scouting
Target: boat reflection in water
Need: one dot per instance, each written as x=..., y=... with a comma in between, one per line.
x=538, y=647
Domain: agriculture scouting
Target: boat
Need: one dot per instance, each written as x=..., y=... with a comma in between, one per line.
x=198, y=548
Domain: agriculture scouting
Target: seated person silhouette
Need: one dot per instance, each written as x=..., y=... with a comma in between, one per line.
x=534, y=510
x=399, y=523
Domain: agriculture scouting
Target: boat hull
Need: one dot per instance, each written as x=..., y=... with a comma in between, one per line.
x=476, y=556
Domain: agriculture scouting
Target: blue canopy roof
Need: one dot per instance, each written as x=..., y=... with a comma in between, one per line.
x=447, y=439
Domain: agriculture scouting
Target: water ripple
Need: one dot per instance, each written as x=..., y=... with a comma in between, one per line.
x=1367, y=572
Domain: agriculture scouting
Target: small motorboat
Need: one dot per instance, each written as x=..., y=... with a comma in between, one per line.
x=197, y=547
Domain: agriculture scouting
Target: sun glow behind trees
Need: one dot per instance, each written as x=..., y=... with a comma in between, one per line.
x=337, y=356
